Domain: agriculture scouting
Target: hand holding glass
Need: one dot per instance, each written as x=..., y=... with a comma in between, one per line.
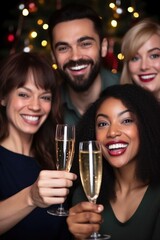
x=90, y=163
x=65, y=146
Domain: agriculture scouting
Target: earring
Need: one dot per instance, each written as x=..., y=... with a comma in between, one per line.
x=3, y=103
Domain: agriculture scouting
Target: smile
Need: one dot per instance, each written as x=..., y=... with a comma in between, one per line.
x=117, y=146
x=78, y=67
x=31, y=118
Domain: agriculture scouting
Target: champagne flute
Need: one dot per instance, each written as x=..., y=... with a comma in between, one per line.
x=90, y=163
x=65, y=147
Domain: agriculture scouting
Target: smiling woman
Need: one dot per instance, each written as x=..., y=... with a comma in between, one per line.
x=111, y=122
x=142, y=59
x=129, y=131
x=29, y=111
x=28, y=107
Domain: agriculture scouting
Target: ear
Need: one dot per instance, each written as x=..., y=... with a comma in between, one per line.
x=104, y=47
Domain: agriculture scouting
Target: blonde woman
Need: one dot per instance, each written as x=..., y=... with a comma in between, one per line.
x=141, y=50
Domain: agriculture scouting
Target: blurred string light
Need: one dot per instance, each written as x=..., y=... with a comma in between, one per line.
x=26, y=10
x=11, y=37
x=118, y=9
x=37, y=34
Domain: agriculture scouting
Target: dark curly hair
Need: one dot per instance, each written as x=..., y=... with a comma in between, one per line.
x=147, y=111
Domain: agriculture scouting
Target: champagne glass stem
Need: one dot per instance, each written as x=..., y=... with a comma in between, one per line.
x=94, y=235
x=61, y=209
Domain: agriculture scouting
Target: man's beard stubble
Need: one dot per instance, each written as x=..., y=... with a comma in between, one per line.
x=80, y=84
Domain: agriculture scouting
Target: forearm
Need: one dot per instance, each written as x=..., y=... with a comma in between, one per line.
x=14, y=209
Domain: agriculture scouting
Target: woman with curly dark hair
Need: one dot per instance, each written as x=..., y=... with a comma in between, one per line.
x=126, y=120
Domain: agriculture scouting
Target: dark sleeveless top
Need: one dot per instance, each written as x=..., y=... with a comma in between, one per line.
x=17, y=172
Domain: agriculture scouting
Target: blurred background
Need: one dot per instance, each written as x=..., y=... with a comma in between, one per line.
x=24, y=23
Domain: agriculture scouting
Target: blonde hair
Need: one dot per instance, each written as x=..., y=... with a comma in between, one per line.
x=134, y=38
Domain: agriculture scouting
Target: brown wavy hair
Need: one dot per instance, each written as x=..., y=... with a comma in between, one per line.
x=13, y=74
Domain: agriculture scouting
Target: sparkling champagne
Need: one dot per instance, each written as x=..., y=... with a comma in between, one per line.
x=64, y=154
x=65, y=147
x=91, y=173
x=90, y=166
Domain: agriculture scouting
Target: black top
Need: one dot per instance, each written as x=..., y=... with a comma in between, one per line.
x=17, y=172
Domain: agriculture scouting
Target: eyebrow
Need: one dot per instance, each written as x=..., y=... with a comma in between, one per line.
x=30, y=90
x=106, y=116
x=60, y=43
x=153, y=49
x=78, y=41
x=85, y=38
x=25, y=88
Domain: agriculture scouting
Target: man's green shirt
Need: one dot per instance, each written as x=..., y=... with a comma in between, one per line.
x=70, y=113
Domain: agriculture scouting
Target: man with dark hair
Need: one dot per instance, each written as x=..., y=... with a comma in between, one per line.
x=78, y=43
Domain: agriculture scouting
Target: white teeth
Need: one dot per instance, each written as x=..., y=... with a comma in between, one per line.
x=31, y=118
x=78, y=67
x=148, y=76
x=117, y=146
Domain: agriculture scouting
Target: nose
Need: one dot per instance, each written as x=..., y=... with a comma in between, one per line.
x=34, y=104
x=75, y=53
x=144, y=63
x=113, y=131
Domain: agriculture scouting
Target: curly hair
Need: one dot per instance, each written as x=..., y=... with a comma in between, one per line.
x=147, y=111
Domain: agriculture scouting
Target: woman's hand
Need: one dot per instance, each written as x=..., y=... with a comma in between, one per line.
x=84, y=219
x=51, y=187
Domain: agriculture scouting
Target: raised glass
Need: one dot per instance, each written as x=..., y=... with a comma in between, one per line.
x=90, y=164
x=65, y=147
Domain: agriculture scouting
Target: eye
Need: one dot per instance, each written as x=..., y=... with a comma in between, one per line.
x=23, y=95
x=47, y=98
x=101, y=124
x=127, y=121
x=154, y=56
x=86, y=44
x=134, y=59
x=62, y=48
